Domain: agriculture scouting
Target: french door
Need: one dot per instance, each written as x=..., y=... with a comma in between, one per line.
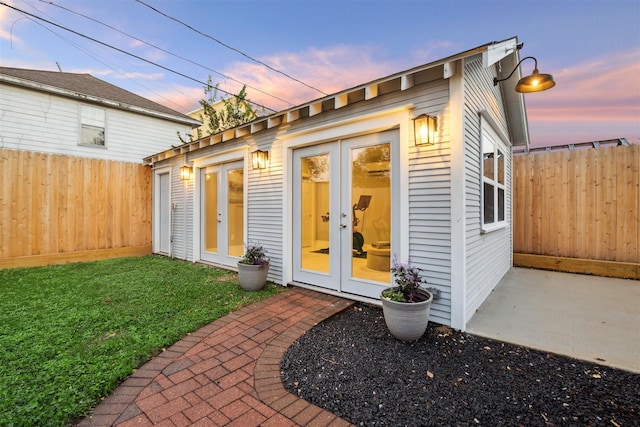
x=222, y=213
x=341, y=208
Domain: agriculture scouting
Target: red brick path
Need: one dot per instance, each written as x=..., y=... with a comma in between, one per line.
x=226, y=373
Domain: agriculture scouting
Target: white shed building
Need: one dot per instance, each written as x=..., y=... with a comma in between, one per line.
x=347, y=186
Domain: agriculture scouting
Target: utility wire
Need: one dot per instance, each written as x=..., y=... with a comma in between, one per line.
x=231, y=48
x=89, y=53
x=166, y=51
x=127, y=53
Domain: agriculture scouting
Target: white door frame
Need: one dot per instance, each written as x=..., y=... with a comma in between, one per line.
x=158, y=198
x=330, y=279
x=398, y=118
x=233, y=155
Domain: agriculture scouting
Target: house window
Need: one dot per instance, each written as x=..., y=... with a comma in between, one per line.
x=92, y=126
x=493, y=181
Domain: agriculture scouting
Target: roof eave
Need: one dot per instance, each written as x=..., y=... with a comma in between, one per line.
x=514, y=102
x=41, y=87
x=315, y=106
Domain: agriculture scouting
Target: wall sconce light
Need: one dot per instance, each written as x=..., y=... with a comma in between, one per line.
x=536, y=82
x=424, y=128
x=186, y=173
x=259, y=159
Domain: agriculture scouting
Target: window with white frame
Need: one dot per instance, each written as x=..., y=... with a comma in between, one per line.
x=92, y=126
x=493, y=180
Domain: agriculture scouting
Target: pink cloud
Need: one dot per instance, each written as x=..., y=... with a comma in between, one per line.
x=329, y=70
x=8, y=17
x=605, y=89
x=593, y=101
x=180, y=98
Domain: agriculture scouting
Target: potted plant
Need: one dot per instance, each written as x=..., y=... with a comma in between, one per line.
x=406, y=306
x=253, y=268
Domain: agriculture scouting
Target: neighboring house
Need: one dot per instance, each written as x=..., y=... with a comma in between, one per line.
x=74, y=187
x=198, y=114
x=80, y=115
x=346, y=187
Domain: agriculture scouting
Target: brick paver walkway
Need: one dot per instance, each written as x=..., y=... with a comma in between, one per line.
x=226, y=373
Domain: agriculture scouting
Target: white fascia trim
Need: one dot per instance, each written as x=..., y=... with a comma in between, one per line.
x=231, y=155
x=495, y=52
x=354, y=126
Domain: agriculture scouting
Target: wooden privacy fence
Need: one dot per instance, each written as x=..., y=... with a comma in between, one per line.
x=56, y=209
x=573, y=207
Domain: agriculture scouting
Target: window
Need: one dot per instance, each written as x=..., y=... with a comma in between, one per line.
x=92, y=126
x=493, y=180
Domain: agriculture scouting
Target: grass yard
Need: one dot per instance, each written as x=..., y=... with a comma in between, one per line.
x=70, y=333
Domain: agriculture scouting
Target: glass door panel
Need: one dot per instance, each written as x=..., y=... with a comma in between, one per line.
x=370, y=201
x=210, y=214
x=316, y=245
x=235, y=211
x=314, y=213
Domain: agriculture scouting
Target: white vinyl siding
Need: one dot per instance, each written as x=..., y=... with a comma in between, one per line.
x=430, y=201
x=488, y=255
x=41, y=122
x=265, y=218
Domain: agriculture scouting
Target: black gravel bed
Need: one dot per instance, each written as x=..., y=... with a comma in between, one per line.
x=351, y=366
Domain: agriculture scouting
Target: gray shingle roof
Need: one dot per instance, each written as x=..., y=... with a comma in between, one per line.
x=86, y=84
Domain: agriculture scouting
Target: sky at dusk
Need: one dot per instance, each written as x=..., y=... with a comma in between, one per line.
x=592, y=48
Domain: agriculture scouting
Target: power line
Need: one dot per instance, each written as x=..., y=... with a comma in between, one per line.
x=231, y=48
x=127, y=53
x=89, y=53
x=166, y=51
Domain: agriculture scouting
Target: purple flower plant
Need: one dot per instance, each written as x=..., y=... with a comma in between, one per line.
x=255, y=254
x=407, y=279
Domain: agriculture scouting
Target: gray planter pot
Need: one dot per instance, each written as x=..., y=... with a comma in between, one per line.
x=252, y=277
x=407, y=321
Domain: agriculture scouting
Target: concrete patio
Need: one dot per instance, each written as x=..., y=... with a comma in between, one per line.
x=592, y=318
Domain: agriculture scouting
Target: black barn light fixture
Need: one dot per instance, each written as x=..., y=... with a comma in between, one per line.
x=536, y=82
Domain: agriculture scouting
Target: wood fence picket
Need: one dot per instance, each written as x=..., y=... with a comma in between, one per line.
x=579, y=204
x=54, y=206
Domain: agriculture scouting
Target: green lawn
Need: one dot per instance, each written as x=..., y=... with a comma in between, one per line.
x=69, y=334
